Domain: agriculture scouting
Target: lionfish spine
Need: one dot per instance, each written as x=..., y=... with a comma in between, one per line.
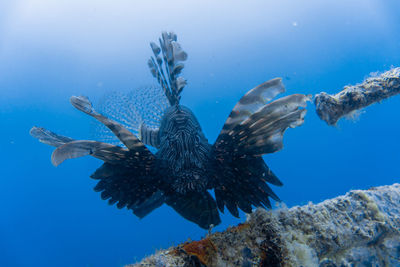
x=166, y=69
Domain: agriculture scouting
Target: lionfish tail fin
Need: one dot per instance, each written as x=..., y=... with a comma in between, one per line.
x=166, y=66
x=198, y=207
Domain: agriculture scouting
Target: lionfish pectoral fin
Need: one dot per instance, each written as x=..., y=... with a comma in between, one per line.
x=251, y=101
x=75, y=149
x=132, y=186
x=47, y=137
x=197, y=207
x=243, y=183
x=83, y=104
x=263, y=131
x=253, y=128
x=68, y=148
x=150, y=204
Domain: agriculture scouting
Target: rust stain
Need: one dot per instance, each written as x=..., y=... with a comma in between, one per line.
x=240, y=227
x=204, y=250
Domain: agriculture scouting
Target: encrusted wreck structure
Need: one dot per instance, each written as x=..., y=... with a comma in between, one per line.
x=360, y=228
x=331, y=108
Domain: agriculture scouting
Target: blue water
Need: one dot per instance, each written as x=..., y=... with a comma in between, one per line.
x=50, y=50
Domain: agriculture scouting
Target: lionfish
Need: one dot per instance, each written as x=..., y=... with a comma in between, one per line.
x=173, y=163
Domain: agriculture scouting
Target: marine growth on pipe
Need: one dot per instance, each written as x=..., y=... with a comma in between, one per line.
x=331, y=108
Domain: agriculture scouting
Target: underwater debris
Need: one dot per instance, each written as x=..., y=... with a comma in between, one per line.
x=361, y=228
x=331, y=108
x=185, y=166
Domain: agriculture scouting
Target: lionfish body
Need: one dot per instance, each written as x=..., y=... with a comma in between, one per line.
x=184, y=152
x=185, y=167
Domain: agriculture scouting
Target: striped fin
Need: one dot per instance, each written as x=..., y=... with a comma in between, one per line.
x=276, y=109
x=254, y=127
x=135, y=189
x=149, y=136
x=143, y=105
x=166, y=66
x=263, y=131
x=258, y=132
x=68, y=148
x=83, y=104
x=75, y=149
x=253, y=100
x=47, y=137
x=241, y=183
x=270, y=139
x=150, y=204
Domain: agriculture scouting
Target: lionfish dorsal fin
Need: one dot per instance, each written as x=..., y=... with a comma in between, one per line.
x=166, y=66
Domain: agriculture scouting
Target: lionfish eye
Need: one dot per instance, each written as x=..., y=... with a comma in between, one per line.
x=197, y=139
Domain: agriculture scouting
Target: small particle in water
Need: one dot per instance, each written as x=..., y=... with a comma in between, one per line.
x=295, y=23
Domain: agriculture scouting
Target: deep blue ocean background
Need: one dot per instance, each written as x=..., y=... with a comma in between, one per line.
x=50, y=50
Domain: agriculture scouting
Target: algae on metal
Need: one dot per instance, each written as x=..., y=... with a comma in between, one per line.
x=331, y=108
x=360, y=228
